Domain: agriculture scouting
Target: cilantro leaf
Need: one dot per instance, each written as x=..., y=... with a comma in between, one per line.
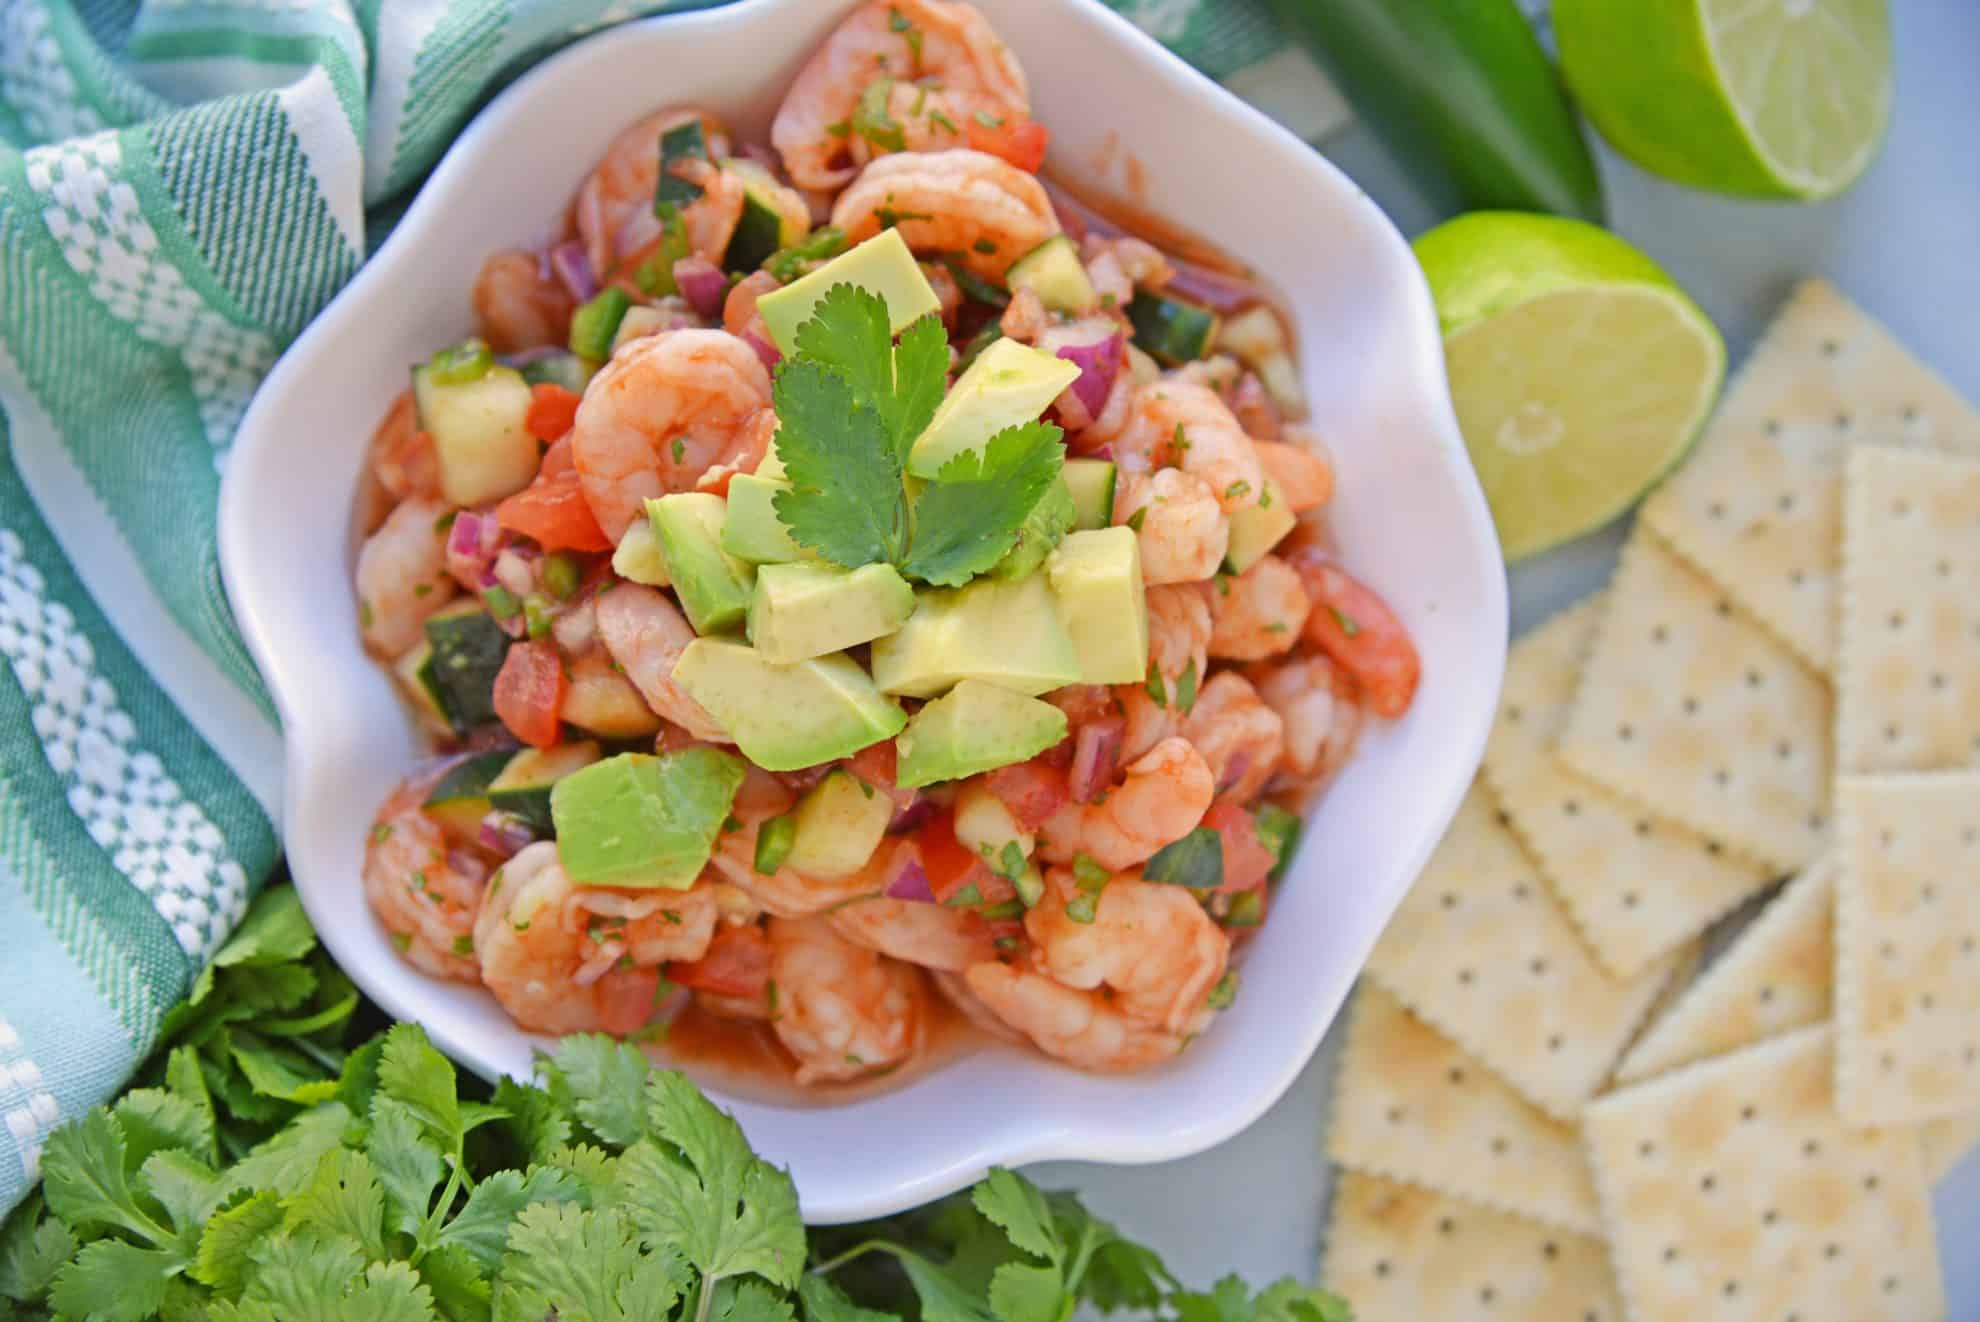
x=342, y=1199
x=228, y=1236
x=408, y=1165
x=921, y=378
x=586, y=1266
x=846, y=501
x=536, y=1125
x=1021, y=1292
x=461, y=1291
x=154, y=1120
x=603, y=1082
x=1230, y=1300
x=412, y=1072
x=703, y=1189
x=286, y=1161
x=112, y=1281
x=850, y=331
x=276, y=930
x=750, y=1301
x=1016, y=1206
x=83, y=1178
x=826, y=1302
x=32, y=1248
x=184, y=1081
x=300, y=1278
x=1124, y=1275
x=481, y=1228
x=967, y=519
x=595, y=1170
x=280, y=1071
x=184, y=1186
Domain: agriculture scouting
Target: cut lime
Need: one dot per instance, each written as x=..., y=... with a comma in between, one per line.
x=1580, y=371
x=1767, y=98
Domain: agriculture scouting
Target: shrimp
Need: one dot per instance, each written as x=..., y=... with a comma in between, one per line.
x=1152, y=946
x=425, y=895
x=948, y=43
x=1316, y=704
x=983, y=210
x=955, y=989
x=759, y=433
x=659, y=415
x=1303, y=476
x=1193, y=420
x=1078, y=1027
x=403, y=457
x=1259, y=613
x=520, y=305
x=1180, y=525
x=1178, y=644
x=614, y=213
x=603, y=701
x=1137, y=261
x=788, y=894
x=563, y=958
x=1240, y=737
x=931, y=935
x=1358, y=631
x=1165, y=794
x=646, y=634
x=842, y=1010
x=402, y=576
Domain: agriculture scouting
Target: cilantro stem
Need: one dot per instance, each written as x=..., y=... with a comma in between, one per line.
x=852, y=1254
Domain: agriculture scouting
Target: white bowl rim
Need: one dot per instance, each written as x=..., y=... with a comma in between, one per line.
x=1089, y=1139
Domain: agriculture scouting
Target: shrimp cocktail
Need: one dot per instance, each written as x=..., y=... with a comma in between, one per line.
x=856, y=589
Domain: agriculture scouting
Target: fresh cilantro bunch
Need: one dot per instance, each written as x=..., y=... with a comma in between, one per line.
x=609, y=1191
x=850, y=404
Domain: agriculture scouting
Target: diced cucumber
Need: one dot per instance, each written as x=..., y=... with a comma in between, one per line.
x=562, y=368
x=975, y=288
x=985, y=826
x=468, y=649
x=1258, y=528
x=1258, y=337
x=1054, y=272
x=414, y=672
x=523, y=785
x=460, y=800
x=1278, y=831
x=655, y=275
x=764, y=228
x=485, y=452
x=773, y=844
x=677, y=144
x=639, y=321
x=594, y=325
x=1169, y=329
x=840, y=822
x=1092, y=485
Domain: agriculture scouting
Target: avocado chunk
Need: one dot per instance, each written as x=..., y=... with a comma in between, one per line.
x=771, y=469
x=1054, y=272
x=1091, y=482
x=1048, y=521
x=1258, y=528
x=787, y=717
x=640, y=820
x=839, y=823
x=484, y=450
x=882, y=266
x=975, y=727
x=752, y=531
x=808, y=610
x=1005, y=632
x=1096, y=575
x=1008, y=384
x=638, y=557
x=713, y=585
x=524, y=785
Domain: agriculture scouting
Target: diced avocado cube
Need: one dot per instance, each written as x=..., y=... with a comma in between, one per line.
x=772, y=467
x=1054, y=272
x=882, y=266
x=1256, y=529
x=640, y=820
x=484, y=450
x=524, y=786
x=1002, y=632
x=713, y=585
x=808, y=610
x=1091, y=482
x=839, y=823
x=468, y=651
x=773, y=844
x=974, y=727
x=787, y=717
x=1048, y=521
x=1096, y=575
x=460, y=800
x=1008, y=384
x=752, y=531
x=638, y=558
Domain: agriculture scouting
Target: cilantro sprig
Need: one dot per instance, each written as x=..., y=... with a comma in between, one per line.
x=607, y=1191
x=850, y=403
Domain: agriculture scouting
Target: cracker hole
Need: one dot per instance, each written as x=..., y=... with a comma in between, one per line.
x=1909, y=413
x=1970, y=836
x=1797, y=578
x=1843, y=421
x=1872, y=1182
x=1811, y=1148
x=1500, y=1147
x=1513, y=712
x=1382, y=1267
x=1937, y=680
x=1967, y=945
x=1766, y=996
x=1555, y=1042
x=1830, y=348
x=1646, y=1149
x=1450, y=900
x=1714, y=848
x=1754, y=679
x=1550, y=1250
x=1571, y=808
x=1769, y=1217
x=1465, y=977
x=1486, y=1294
x=1722, y=777
x=1816, y=821
x=1659, y=634
x=1786, y=503
x=1643, y=826
x=1730, y=1289
x=1625, y=732
x=1832, y=1251
x=1538, y=968
x=1784, y=750
x=1521, y=890
x=1943, y=569
x=1505, y=818
x=1630, y=899
x=1748, y=1112
x=1708, y=1183
x=1895, y=619
x=1771, y=426
x=1890, y=1285
x=1395, y=1115
x=1928, y=893
x=1691, y=706
x=1456, y=1077
x=1901, y=507
x=1724, y=609
x=1446, y=1226
x=1670, y=1253
x=1892, y=733
x=1969, y=1055
x=1717, y=509
x=1888, y=950
x=1886, y=838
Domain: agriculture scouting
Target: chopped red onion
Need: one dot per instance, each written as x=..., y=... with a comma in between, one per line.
x=573, y=268
x=910, y=815
x=911, y=883
x=1096, y=750
x=1099, y=362
x=505, y=834
x=702, y=284
x=472, y=545
x=765, y=350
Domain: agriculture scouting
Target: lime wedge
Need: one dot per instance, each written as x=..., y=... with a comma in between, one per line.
x=1766, y=98
x=1580, y=371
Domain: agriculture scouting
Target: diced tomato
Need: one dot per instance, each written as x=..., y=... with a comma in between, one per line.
x=948, y=862
x=1032, y=790
x=552, y=509
x=552, y=409
x=1247, y=862
x=625, y=999
x=737, y=964
x=529, y=693
x=875, y=764
x=1356, y=629
x=1018, y=138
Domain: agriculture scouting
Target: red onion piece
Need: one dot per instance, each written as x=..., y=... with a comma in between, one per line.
x=910, y=815
x=702, y=284
x=573, y=268
x=1099, y=362
x=1096, y=750
x=911, y=883
x=505, y=834
x=765, y=350
x=465, y=537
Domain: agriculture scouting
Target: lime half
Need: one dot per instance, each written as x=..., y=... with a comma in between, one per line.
x=1767, y=98
x=1580, y=371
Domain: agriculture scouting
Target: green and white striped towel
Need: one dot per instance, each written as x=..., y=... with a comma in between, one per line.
x=183, y=185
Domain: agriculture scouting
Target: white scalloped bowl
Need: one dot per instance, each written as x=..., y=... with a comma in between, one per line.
x=1408, y=516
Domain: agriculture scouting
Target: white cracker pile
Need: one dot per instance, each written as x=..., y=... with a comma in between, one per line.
x=1538, y=1113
